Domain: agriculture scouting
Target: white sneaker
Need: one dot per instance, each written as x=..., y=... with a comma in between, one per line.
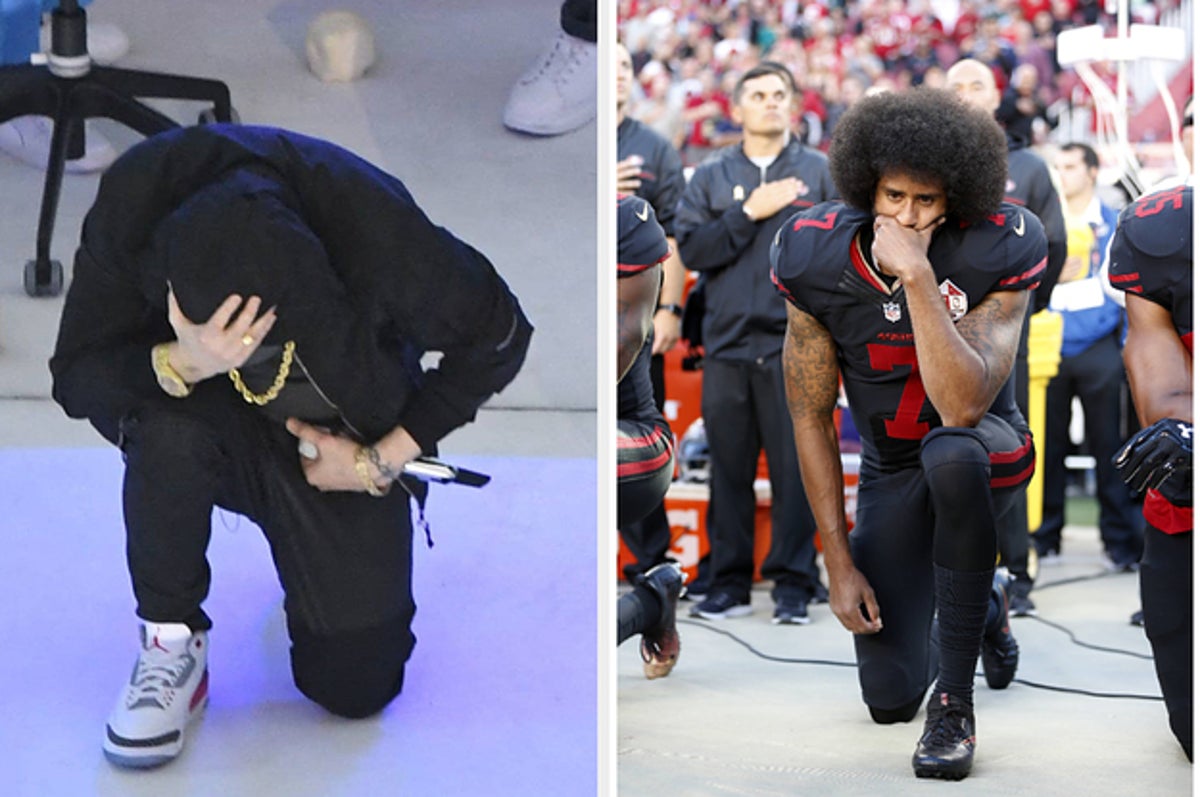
x=168, y=687
x=27, y=138
x=558, y=93
x=106, y=42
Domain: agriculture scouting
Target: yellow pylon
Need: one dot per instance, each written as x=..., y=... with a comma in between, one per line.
x=1045, y=346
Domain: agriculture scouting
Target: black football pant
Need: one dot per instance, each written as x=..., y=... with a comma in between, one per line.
x=649, y=539
x=910, y=519
x=645, y=464
x=745, y=411
x=344, y=559
x=1166, y=585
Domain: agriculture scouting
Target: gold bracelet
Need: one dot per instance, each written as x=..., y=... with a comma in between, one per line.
x=364, y=474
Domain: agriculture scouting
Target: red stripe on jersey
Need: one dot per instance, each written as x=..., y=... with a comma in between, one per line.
x=780, y=286
x=637, y=268
x=632, y=268
x=1165, y=516
x=1036, y=271
x=1187, y=341
x=1124, y=277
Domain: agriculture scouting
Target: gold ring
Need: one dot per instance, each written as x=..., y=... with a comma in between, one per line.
x=247, y=339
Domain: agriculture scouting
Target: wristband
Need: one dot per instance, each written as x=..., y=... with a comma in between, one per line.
x=674, y=309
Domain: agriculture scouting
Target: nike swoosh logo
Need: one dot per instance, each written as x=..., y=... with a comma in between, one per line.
x=1020, y=228
x=644, y=213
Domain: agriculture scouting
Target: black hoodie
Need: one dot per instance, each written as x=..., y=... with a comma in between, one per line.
x=365, y=284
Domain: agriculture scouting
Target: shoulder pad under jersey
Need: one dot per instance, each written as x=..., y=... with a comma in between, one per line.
x=641, y=242
x=1151, y=249
x=1009, y=245
x=812, y=245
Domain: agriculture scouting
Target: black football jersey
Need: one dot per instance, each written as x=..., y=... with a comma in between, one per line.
x=641, y=244
x=820, y=263
x=1151, y=253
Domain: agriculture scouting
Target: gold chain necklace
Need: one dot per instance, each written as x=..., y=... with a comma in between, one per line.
x=285, y=366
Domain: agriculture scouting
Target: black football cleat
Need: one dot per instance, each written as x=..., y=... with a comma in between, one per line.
x=999, y=650
x=660, y=642
x=947, y=747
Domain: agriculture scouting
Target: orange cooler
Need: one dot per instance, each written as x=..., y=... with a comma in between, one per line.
x=687, y=510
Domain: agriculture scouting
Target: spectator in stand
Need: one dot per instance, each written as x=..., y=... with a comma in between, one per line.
x=851, y=91
x=1030, y=51
x=1022, y=104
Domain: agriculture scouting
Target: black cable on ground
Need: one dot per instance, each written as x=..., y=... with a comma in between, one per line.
x=1032, y=684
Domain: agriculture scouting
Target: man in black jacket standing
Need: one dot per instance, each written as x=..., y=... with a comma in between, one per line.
x=1030, y=185
x=247, y=321
x=726, y=219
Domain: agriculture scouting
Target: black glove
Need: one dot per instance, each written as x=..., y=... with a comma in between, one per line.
x=1159, y=457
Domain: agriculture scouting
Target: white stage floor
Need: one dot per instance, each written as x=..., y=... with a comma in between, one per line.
x=499, y=696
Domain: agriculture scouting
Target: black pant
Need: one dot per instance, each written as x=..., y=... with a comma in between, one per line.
x=578, y=19
x=745, y=411
x=649, y=539
x=645, y=462
x=1166, y=584
x=896, y=539
x=1097, y=376
x=344, y=559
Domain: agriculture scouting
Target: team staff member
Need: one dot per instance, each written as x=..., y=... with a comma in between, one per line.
x=915, y=291
x=1029, y=184
x=239, y=293
x=731, y=209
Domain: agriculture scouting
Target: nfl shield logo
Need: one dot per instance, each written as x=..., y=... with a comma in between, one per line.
x=956, y=300
x=891, y=311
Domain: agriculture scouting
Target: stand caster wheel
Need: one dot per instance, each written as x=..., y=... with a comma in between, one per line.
x=209, y=117
x=52, y=287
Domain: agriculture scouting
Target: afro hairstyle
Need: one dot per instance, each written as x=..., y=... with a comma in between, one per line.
x=929, y=135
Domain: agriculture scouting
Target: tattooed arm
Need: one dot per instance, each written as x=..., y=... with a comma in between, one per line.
x=637, y=296
x=810, y=376
x=964, y=365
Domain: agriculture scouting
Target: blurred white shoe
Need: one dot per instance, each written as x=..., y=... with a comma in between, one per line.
x=106, y=42
x=558, y=93
x=27, y=138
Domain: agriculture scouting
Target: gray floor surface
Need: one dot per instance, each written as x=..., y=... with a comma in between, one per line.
x=729, y=722
x=429, y=112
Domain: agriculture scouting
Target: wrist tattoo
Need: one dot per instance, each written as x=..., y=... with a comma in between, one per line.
x=385, y=470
